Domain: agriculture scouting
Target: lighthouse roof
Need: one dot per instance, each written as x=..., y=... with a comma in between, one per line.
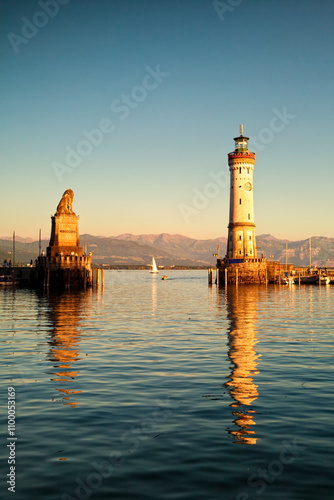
x=241, y=137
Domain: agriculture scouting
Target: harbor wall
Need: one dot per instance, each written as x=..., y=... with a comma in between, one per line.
x=247, y=272
x=256, y=271
x=25, y=276
x=59, y=272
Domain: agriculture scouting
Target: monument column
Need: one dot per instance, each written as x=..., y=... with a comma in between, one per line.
x=64, y=238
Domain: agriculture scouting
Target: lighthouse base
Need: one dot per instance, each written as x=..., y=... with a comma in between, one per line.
x=242, y=271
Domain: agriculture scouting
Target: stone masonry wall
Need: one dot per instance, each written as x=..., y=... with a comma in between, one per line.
x=244, y=273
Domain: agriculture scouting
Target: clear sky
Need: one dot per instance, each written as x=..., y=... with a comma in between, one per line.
x=167, y=83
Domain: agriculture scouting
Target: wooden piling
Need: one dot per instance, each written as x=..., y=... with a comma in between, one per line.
x=236, y=276
x=210, y=276
x=95, y=276
x=217, y=276
x=225, y=276
x=102, y=277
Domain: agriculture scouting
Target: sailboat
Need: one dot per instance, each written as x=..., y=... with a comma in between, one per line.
x=154, y=269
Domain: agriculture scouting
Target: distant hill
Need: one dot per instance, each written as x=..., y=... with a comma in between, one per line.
x=118, y=251
x=180, y=246
x=322, y=250
x=24, y=252
x=175, y=249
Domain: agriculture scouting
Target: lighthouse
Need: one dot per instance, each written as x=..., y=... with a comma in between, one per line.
x=241, y=229
x=241, y=264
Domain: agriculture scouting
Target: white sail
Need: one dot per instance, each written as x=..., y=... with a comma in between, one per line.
x=154, y=269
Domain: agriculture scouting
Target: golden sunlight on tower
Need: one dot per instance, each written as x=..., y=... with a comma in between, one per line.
x=241, y=235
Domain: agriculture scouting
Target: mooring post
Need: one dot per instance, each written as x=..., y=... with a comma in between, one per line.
x=210, y=276
x=225, y=276
x=102, y=277
x=299, y=278
x=217, y=276
x=236, y=276
x=97, y=277
x=266, y=276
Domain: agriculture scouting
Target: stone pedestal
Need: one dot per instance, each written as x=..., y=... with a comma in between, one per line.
x=65, y=264
x=64, y=238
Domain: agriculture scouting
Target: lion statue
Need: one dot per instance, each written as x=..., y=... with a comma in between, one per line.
x=65, y=204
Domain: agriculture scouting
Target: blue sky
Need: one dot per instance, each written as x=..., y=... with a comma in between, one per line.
x=242, y=62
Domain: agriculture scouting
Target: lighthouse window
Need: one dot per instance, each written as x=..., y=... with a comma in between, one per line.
x=239, y=170
x=250, y=251
x=239, y=252
x=250, y=238
x=248, y=216
x=239, y=237
x=239, y=201
x=247, y=170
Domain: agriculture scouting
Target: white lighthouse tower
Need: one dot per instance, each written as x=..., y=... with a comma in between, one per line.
x=241, y=229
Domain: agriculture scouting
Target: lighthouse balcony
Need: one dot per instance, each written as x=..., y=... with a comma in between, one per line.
x=243, y=154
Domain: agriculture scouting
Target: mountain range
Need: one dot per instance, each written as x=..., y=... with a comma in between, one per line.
x=176, y=250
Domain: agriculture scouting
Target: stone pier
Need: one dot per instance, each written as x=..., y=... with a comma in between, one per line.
x=240, y=271
x=65, y=264
x=248, y=271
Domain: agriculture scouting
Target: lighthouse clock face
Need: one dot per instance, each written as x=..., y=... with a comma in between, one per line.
x=248, y=186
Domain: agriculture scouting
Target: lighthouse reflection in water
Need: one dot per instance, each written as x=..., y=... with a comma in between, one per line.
x=241, y=312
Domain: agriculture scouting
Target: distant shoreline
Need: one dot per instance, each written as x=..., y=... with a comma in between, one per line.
x=143, y=268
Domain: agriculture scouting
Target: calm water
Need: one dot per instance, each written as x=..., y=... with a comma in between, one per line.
x=158, y=389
